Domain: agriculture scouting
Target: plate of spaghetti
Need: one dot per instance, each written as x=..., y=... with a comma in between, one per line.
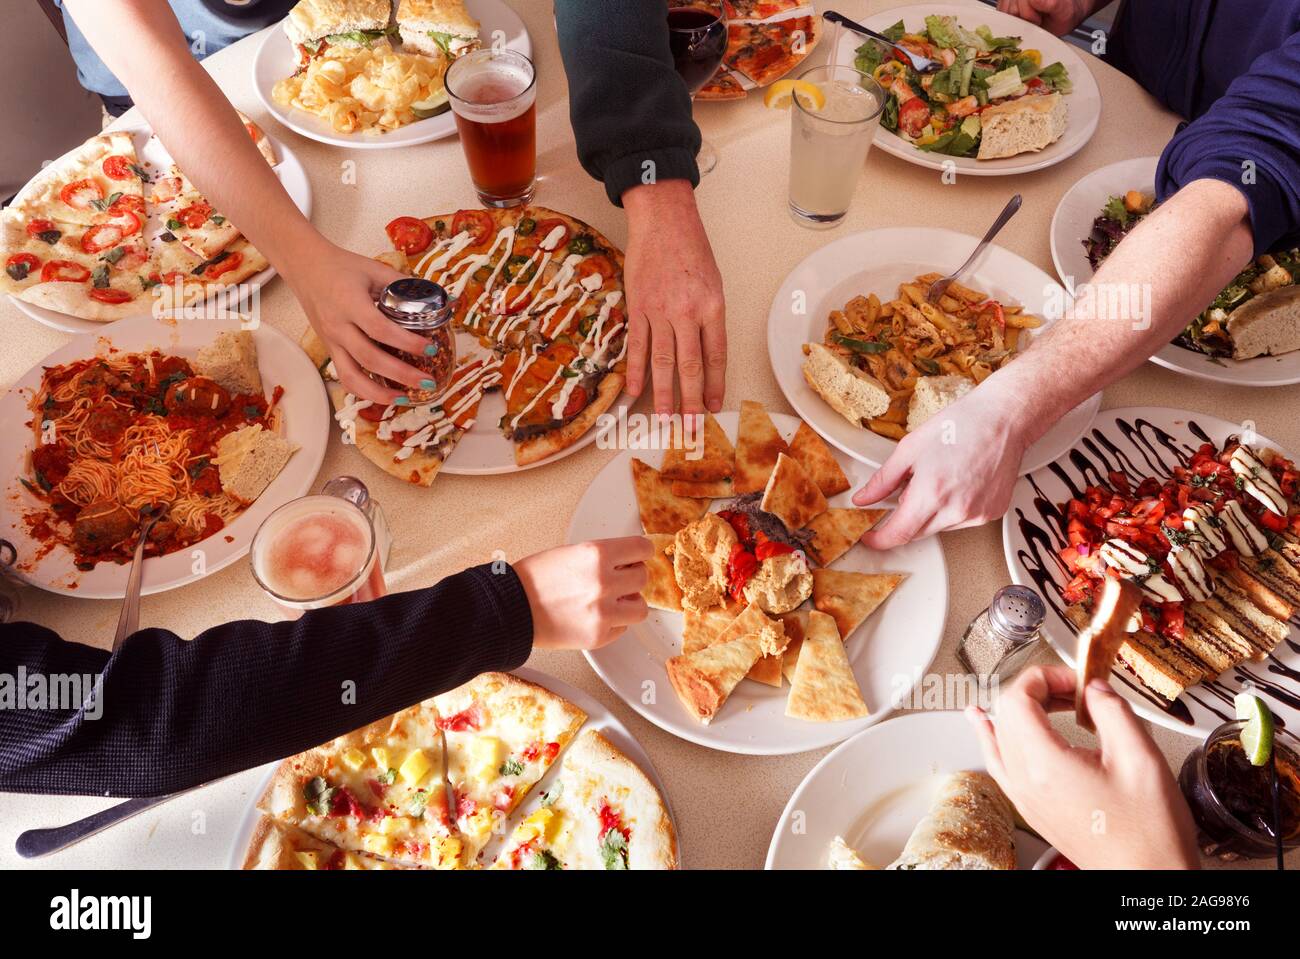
x=198, y=425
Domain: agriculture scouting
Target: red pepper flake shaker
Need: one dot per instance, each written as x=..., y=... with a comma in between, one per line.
x=423, y=307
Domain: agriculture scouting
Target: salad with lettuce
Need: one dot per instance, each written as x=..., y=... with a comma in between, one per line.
x=939, y=112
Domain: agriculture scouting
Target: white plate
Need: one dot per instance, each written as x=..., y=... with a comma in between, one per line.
x=598, y=717
x=875, y=788
x=306, y=422
x=485, y=451
x=1072, y=223
x=155, y=159
x=1202, y=707
x=1083, y=105
x=277, y=59
x=876, y=262
x=889, y=652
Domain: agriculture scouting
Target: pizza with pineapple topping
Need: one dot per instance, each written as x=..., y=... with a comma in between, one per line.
x=601, y=812
x=538, y=303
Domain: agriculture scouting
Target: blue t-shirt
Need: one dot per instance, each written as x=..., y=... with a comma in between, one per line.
x=210, y=25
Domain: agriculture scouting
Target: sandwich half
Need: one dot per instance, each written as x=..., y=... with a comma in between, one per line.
x=970, y=825
x=315, y=25
x=437, y=27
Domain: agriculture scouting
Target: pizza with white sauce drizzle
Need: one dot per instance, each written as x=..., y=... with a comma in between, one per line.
x=540, y=296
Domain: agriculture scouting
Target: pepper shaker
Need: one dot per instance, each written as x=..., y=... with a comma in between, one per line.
x=423, y=307
x=1000, y=639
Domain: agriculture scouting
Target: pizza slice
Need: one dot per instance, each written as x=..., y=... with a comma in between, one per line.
x=760, y=9
x=503, y=733
x=189, y=217
x=100, y=176
x=723, y=85
x=600, y=812
x=277, y=845
x=765, y=52
x=378, y=790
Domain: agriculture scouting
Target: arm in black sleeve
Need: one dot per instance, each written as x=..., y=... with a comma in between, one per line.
x=630, y=111
x=169, y=715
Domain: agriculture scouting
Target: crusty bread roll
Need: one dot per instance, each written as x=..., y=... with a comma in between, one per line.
x=853, y=394
x=1025, y=125
x=1267, y=325
x=932, y=394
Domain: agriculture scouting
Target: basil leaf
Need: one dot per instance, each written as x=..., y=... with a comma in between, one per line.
x=544, y=859
x=113, y=255
x=511, y=767
x=49, y=236
x=18, y=271
x=613, y=850
x=174, y=224
x=319, y=795
x=99, y=277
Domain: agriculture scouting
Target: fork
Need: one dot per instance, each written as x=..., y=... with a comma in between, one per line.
x=940, y=286
x=128, y=621
x=919, y=63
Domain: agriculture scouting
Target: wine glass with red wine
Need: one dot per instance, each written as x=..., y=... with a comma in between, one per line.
x=697, y=36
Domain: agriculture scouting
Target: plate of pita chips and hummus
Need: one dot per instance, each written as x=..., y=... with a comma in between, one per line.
x=772, y=629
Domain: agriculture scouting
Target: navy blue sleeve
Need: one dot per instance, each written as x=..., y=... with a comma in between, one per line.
x=628, y=106
x=1250, y=139
x=167, y=715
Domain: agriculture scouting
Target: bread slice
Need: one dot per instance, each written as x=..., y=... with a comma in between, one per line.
x=437, y=28
x=1271, y=569
x=1025, y=125
x=1268, y=325
x=312, y=20
x=231, y=361
x=853, y=394
x=1235, y=606
x=249, y=459
x=1161, y=666
x=932, y=394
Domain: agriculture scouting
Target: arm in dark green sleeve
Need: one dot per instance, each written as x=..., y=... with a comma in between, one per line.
x=630, y=110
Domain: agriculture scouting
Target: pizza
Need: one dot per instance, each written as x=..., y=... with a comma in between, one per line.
x=722, y=86
x=97, y=235
x=433, y=785
x=760, y=9
x=538, y=304
x=602, y=812
x=765, y=52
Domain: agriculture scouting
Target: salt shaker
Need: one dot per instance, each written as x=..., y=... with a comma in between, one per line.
x=423, y=307
x=355, y=492
x=1000, y=640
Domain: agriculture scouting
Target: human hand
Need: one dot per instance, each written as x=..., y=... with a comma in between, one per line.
x=584, y=596
x=1055, y=16
x=338, y=290
x=675, y=309
x=1117, y=807
x=960, y=467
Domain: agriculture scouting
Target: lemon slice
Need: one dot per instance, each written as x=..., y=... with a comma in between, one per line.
x=780, y=94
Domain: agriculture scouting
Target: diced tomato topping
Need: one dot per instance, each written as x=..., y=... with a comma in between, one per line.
x=465, y=806
x=610, y=819
x=546, y=751
x=344, y=803
x=468, y=719
x=1271, y=521
x=1171, y=620
x=409, y=235
x=766, y=548
x=504, y=799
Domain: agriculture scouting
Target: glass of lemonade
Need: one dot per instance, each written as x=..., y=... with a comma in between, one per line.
x=828, y=145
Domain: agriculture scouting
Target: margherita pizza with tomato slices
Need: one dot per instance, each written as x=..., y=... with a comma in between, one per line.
x=98, y=236
x=429, y=788
x=538, y=299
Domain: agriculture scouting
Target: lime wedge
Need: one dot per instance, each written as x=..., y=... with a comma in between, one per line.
x=1257, y=734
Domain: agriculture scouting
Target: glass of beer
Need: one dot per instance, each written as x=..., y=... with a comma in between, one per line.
x=318, y=551
x=493, y=95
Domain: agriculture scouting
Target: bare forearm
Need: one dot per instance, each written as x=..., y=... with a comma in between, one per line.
x=143, y=44
x=1163, y=274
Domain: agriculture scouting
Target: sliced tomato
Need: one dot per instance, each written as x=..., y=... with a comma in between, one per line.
x=132, y=258
x=102, y=237
x=118, y=167
x=22, y=265
x=80, y=194
x=913, y=117
x=42, y=229
x=64, y=271
x=195, y=215
x=169, y=278
x=577, y=402
x=544, y=228
x=1171, y=620
x=512, y=301
x=597, y=263
x=111, y=295
x=214, y=270
x=168, y=188
x=478, y=222
x=409, y=235
x=127, y=203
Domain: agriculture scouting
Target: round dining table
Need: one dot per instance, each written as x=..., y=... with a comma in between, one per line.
x=726, y=805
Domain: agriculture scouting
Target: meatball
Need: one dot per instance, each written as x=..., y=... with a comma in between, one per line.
x=51, y=461
x=197, y=396
x=107, y=423
x=101, y=525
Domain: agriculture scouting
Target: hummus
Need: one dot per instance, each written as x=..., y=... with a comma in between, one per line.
x=781, y=583
x=700, y=554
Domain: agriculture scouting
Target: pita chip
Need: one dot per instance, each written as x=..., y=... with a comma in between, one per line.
x=791, y=495
x=661, y=511
x=713, y=489
x=816, y=457
x=710, y=456
x=661, y=589
x=757, y=446
x=701, y=628
x=836, y=530
x=704, y=679
x=796, y=624
x=824, y=689
x=849, y=598
x=770, y=634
